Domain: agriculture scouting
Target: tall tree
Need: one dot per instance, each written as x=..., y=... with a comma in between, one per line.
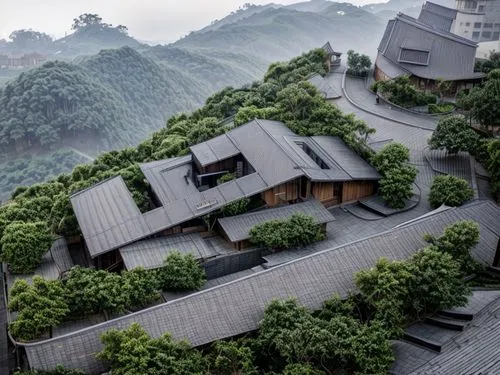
x=454, y=134
x=86, y=20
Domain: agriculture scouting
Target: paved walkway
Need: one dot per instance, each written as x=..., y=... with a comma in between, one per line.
x=355, y=90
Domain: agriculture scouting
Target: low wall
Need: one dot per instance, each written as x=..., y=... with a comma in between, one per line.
x=240, y=261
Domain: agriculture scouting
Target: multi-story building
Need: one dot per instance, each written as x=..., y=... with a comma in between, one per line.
x=478, y=20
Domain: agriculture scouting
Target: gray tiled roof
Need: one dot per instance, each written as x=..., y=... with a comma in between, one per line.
x=328, y=49
x=54, y=262
x=450, y=57
x=325, y=86
x=109, y=217
x=437, y=16
x=151, y=253
x=237, y=228
x=214, y=150
x=237, y=307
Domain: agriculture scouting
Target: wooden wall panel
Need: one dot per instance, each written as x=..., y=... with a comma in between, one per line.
x=279, y=194
x=354, y=190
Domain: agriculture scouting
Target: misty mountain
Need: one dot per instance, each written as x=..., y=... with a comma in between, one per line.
x=412, y=8
x=279, y=33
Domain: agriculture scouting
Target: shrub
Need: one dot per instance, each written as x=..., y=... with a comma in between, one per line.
x=236, y=208
x=40, y=306
x=441, y=108
x=454, y=134
x=59, y=370
x=396, y=186
x=23, y=245
x=181, y=272
x=458, y=240
x=401, y=92
x=298, y=230
x=449, y=190
x=391, y=156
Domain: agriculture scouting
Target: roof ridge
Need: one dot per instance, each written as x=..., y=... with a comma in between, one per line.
x=95, y=185
x=445, y=34
x=331, y=159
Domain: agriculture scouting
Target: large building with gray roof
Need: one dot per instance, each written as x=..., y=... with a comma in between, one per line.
x=425, y=52
x=268, y=163
x=237, y=307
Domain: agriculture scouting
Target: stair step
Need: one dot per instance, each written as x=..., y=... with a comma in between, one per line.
x=449, y=323
x=458, y=315
x=428, y=344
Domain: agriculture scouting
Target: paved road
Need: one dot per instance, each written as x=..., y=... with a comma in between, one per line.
x=355, y=89
x=88, y=157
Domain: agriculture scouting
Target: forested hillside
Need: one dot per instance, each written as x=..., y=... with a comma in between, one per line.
x=280, y=33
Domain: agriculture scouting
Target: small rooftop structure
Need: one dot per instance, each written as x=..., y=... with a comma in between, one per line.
x=333, y=57
x=237, y=228
x=437, y=16
x=269, y=154
x=151, y=253
x=237, y=307
x=413, y=47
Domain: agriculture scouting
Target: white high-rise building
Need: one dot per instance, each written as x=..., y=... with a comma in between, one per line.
x=478, y=20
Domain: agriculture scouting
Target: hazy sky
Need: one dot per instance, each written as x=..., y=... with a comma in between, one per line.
x=150, y=20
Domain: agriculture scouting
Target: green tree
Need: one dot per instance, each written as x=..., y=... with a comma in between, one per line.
x=458, y=240
x=237, y=207
x=89, y=291
x=301, y=369
x=391, y=156
x=454, y=134
x=24, y=40
x=181, y=272
x=86, y=20
x=231, y=358
x=437, y=282
x=358, y=64
x=24, y=244
x=298, y=230
x=449, y=190
x=132, y=351
x=486, y=100
x=140, y=286
x=493, y=166
x=39, y=306
x=396, y=185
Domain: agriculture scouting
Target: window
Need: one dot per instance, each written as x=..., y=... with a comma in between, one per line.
x=467, y=24
x=414, y=56
x=480, y=8
x=497, y=26
x=486, y=34
x=477, y=25
x=475, y=35
x=488, y=25
x=496, y=35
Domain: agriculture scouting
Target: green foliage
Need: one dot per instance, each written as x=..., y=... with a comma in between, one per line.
x=140, y=286
x=454, y=134
x=23, y=245
x=226, y=178
x=458, y=240
x=429, y=281
x=132, y=351
x=231, y=358
x=181, y=272
x=335, y=306
x=484, y=101
x=493, y=166
x=395, y=186
x=59, y=370
x=449, y=190
x=236, y=208
x=486, y=66
x=390, y=157
x=358, y=64
x=39, y=306
x=401, y=92
x=301, y=369
x=440, y=108
x=89, y=291
x=298, y=230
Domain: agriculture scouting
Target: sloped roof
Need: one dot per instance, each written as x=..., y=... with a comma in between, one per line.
x=325, y=86
x=237, y=307
x=237, y=228
x=152, y=252
x=437, y=16
x=55, y=262
x=109, y=217
x=329, y=50
x=448, y=56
